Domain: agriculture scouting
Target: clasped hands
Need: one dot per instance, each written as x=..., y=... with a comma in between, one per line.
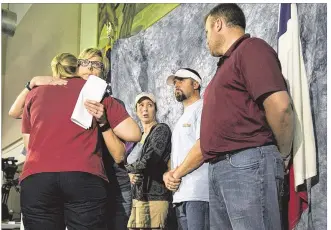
x=171, y=180
x=135, y=178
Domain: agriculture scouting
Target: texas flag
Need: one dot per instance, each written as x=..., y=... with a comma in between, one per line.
x=293, y=69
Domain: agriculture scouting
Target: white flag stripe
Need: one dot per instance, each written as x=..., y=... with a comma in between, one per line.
x=293, y=69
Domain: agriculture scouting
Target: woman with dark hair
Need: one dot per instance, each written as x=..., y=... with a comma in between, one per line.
x=150, y=196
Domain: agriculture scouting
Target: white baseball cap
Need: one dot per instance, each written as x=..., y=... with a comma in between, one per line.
x=144, y=94
x=184, y=73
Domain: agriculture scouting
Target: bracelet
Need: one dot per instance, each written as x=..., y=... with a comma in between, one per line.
x=27, y=85
x=105, y=127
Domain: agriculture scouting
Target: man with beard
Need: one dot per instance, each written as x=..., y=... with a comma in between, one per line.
x=190, y=185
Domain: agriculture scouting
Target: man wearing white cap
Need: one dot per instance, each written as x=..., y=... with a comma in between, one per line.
x=188, y=178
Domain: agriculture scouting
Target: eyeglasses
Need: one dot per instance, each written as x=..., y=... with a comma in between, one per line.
x=94, y=64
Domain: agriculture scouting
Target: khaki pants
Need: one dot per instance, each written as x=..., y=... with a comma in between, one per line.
x=148, y=214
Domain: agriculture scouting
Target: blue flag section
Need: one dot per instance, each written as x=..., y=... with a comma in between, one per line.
x=284, y=17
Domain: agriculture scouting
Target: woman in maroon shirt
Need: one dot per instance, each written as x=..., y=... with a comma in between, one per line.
x=63, y=177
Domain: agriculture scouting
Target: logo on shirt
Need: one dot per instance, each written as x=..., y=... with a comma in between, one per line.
x=186, y=125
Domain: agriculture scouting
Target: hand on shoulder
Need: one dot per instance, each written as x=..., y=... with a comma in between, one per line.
x=46, y=80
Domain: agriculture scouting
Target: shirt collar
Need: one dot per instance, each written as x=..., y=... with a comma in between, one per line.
x=192, y=105
x=232, y=48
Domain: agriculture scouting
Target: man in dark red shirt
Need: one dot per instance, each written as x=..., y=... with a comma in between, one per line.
x=246, y=125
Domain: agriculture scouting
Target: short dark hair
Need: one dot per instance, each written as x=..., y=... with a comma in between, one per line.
x=196, y=73
x=231, y=12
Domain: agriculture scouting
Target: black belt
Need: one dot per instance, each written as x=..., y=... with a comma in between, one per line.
x=222, y=156
x=227, y=155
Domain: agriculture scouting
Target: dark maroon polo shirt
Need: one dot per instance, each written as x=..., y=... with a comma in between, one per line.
x=233, y=117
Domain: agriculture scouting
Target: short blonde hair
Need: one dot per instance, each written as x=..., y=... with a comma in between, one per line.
x=94, y=52
x=64, y=65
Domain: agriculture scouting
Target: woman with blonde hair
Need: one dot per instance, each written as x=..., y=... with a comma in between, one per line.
x=63, y=178
x=90, y=62
x=64, y=65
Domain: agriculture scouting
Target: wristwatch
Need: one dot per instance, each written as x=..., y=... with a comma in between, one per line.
x=27, y=85
x=105, y=127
